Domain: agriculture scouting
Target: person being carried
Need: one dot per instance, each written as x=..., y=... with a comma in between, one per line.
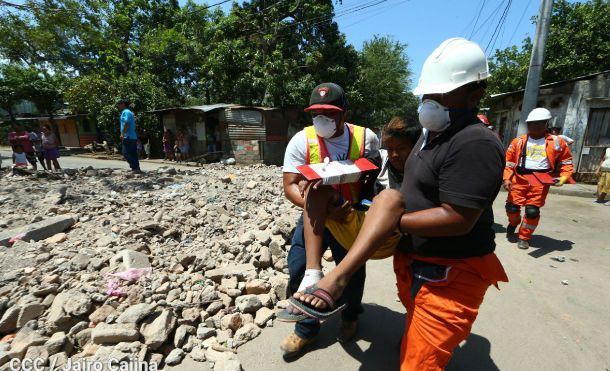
x=329, y=136
x=538, y=152
x=445, y=261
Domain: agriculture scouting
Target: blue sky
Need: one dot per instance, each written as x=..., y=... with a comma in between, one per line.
x=424, y=24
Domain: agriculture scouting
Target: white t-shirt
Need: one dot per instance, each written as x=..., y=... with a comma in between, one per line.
x=535, y=156
x=606, y=163
x=338, y=148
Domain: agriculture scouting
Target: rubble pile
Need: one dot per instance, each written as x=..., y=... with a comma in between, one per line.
x=101, y=264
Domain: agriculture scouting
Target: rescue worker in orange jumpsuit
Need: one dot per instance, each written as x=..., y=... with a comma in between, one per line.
x=536, y=151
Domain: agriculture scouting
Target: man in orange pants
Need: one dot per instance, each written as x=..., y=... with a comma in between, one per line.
x=537, y=151
x=445, y=260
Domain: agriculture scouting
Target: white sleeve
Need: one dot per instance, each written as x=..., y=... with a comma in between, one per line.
x=371, y=141
x=567, y=139
x=295, y=153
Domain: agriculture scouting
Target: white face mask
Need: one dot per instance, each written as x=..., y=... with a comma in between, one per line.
x=433, y=115
x=325, y=126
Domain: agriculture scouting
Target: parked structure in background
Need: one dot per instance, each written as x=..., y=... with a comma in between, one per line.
x=580, y=107
x=249, y=134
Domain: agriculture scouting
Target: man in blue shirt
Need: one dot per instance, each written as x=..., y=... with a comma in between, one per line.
x=128, y=135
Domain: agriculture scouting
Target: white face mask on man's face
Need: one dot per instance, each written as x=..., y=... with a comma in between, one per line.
x=325, y=126
x=433, y=115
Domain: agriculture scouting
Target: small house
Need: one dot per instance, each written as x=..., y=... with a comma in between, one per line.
x=247, y=133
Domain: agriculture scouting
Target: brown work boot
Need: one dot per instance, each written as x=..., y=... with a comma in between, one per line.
x=293, y=345
x=347, y=331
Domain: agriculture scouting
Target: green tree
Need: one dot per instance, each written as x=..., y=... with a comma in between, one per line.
x=578, y=44
x=382, y=89
x=97, y=96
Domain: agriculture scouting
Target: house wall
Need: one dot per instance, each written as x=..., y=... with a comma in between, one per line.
x=87, y=132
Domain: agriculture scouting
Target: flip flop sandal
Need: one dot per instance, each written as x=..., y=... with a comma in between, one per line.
x=285, y=316
x=321, y=315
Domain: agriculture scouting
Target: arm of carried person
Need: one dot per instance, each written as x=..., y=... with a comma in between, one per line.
x=443, y=221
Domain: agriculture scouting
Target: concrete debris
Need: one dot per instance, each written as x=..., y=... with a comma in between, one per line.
x=214, y=259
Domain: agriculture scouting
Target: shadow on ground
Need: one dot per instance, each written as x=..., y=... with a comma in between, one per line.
x=472, y=355
x=381, y=327
x=544, y=245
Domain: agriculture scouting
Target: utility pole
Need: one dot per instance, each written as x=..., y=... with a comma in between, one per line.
x=530, y=96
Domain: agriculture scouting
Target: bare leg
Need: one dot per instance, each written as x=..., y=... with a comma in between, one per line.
x=379, y=224
x=314, y=219
x=601, y=198
x=48, y=164
x=56, y=164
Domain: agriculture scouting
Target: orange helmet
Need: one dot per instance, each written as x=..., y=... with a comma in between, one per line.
x=484, y=119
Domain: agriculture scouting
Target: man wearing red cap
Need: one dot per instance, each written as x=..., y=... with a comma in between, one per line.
x=329, y=136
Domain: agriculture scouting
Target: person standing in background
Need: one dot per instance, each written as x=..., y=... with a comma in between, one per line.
x=128, y=136
x=603, y=172
x=36, y=139
x=22, y=137
x=49, y=146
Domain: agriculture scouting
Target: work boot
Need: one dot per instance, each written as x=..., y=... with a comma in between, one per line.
x=523, y=244
x=347, y=331
x=510, y=230
x=293, y=345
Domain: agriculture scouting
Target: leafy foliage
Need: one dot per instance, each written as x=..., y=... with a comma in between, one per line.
x=578, y=44
x=158, y=54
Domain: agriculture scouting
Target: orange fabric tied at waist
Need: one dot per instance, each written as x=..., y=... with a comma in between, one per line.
x=441, y=315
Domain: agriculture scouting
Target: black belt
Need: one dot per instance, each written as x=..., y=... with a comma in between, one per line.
x=532, y=171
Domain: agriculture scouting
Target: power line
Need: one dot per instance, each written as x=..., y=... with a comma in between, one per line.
x=496, y=33
x=520, y=19
x=489, y=18
x=477, y=20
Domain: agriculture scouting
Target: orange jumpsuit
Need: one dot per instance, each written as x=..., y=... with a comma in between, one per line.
x=524, y=194
x=441, y=315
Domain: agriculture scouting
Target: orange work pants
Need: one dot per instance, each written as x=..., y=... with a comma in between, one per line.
x=524, y=194
x=439, y=318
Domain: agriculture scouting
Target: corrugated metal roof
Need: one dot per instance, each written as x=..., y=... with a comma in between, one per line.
x=204, y=108
x=500, y=95
x=213, y=107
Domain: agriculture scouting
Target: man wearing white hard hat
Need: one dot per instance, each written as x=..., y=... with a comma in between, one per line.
x=531, y=154
x=445, y=261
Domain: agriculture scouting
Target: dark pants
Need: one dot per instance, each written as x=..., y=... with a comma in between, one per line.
x=130, y=151
x=352, y=295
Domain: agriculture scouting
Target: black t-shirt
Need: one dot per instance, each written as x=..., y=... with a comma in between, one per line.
x=462, y=166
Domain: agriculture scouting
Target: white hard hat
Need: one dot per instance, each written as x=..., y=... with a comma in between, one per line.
x=539, y=114
x=456, y=62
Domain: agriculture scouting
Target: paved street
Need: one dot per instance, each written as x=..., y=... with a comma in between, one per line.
x=83, y=161
x=533, y=322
